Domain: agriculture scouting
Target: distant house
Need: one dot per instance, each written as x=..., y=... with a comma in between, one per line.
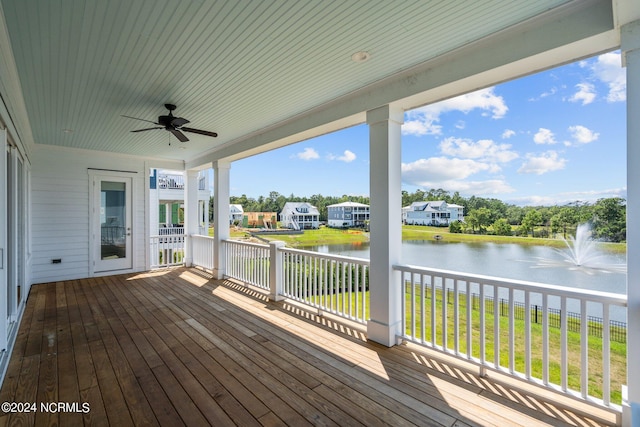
x=347, y=214
x=299, y=215
x=438, y=213
x=236, y=213
x=260, y=219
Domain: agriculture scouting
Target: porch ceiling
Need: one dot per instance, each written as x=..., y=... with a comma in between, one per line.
x=234, y=67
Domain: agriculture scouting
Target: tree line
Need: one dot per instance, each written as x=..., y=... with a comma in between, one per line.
x=482, y=215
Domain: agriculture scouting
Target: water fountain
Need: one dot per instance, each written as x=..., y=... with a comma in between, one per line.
x=582, y=254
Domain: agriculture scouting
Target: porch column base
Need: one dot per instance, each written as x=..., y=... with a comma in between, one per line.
x=383, y=334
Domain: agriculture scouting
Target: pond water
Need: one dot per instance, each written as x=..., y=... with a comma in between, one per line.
x=510, y=261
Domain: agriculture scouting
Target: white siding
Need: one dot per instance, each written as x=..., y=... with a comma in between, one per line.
x=60, y=203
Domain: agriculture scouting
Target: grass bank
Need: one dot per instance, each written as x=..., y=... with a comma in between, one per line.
x=332, y=236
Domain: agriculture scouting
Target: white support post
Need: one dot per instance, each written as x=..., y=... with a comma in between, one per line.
x=384, y=123
x=630, y=37
x=221, y=170
x=275, y=270
x=190, y=213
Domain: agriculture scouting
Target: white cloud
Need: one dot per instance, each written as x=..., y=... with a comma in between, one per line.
x=442, y=172
x=543, y=163
x=586, y=93
x=440, y=169
x=420, y=127
x=485, y=150
x=308, y=154
x=608, y=69
x=347, y=157
x=423, y=121
x=544, y=136
x=583, y=135
x=568, y=197
x=508, y=133
x=550, y=92
x=479, y=188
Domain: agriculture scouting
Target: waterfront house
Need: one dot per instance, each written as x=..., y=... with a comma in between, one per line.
x=437, y=213
x=347, y=214
x=83, y=88
x=299, y=216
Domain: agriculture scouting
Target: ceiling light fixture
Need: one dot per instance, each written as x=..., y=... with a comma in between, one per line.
x=361, y=56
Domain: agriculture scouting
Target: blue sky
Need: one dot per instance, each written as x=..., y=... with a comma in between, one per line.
x=549, y=138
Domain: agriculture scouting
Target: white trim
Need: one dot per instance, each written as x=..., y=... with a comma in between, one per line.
x=3, y=242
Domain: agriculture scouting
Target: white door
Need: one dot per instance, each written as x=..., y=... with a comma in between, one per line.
x=111, y=219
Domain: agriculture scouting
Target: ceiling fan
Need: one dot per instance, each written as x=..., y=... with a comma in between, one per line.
x=173, y=124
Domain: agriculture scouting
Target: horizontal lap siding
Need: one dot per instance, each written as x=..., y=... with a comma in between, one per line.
x=60, y=211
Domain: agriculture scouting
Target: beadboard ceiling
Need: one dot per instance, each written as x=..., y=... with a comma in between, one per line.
x=233, y=67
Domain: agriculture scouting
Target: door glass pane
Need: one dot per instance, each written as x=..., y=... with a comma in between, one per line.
x=113, y=220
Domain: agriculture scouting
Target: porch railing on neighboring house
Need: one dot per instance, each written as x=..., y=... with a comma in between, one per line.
x=166, y=250
x=522, y=329
x=176, y=182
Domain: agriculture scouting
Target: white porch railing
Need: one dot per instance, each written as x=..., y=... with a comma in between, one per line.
x=506, y=325
x=176, y=181
x=203, y=251
x=166, y=250
x=248, y=262
x=330, y=283
x=170, y=231
x=520, y=328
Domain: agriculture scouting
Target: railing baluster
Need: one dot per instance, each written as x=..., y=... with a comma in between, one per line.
x=584, y=349
x=469, y=299
x=423, y=315
x=456, y=318
x=432, y=283
x=527, y=335
x=545, y=339
x=482, y=331
x=496, y=328
x=444, y=314
x=563, y=344
x=413, y=304
x=512, y=333
x=606, y=355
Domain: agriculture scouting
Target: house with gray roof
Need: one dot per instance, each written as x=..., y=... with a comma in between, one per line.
x=299, y=216
x=438, y=213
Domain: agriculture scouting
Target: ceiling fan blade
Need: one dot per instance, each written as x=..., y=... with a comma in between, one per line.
x=135, y=118
x=201, y=132
x=142, y=130
x=179, y=135
x=179, y=121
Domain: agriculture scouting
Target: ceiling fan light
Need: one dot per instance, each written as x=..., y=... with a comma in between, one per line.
x=361, y=56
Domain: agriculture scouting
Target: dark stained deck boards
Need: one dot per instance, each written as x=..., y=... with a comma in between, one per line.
x=173, y=347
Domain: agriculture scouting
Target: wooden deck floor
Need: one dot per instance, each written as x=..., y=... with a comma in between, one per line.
x=175, y=348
